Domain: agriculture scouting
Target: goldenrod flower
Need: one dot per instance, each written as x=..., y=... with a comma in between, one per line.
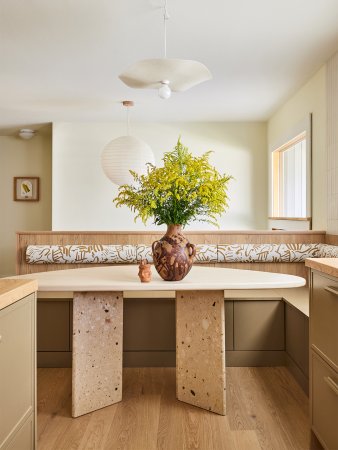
x=186, y=188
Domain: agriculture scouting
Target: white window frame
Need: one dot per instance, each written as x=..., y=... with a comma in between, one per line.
x=303, y=128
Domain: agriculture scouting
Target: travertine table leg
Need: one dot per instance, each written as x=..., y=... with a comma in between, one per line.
x=200, y=349
x=97, y=350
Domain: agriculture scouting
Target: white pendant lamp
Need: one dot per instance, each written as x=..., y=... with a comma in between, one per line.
x=165, y=74
x=126, y=153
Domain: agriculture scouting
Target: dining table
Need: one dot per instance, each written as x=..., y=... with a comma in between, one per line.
x=98, y=294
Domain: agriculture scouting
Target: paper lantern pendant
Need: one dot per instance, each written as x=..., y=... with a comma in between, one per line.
x=126, y=153
x=123, y=154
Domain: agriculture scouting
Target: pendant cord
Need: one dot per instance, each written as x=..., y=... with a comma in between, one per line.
x=128, y=104
x=128, y=122
x=165, y=18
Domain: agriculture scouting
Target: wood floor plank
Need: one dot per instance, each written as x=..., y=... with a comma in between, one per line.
x=241, y=400
x=53, y=399
x=245, y=440
x=96, y=433
x=183, y=426
x=71, y=438
x=290, y=404
x=267, y=410
x=135, y=424
x=261, y=407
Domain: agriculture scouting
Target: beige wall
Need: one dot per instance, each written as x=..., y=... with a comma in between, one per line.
x=310, y=98
x=22, y=158
x=82, y=195
x=332, y=144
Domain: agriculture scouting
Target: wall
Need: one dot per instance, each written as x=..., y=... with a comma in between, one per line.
x=22, y=158
x=82, y=195
x=311, y=98
x=332, y=144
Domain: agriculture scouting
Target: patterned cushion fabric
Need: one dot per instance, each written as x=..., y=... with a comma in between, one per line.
x=144, y=252
x=205, y=253
x=267, y=252
x=80, y=254
x=104, y=254
x=328, y=251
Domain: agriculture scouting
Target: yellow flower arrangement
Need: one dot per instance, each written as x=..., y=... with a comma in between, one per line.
x=186, y=188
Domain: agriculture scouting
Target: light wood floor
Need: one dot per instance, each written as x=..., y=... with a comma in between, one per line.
x=266, y=410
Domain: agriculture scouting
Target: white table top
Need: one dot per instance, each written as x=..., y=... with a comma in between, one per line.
x=125, y=278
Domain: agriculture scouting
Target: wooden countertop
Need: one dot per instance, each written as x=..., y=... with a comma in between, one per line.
x=12, y=290
x=325, y=265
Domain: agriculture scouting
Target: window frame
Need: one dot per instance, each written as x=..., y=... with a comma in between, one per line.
x=289, y=139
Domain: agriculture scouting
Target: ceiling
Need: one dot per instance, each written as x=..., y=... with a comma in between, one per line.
x=60, y=60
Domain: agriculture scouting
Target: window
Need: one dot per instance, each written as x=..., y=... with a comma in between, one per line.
x=290, y=193
x=290, y=176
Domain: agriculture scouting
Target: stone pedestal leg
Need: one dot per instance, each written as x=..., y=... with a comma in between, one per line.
x=200, y=349
x=97, y=350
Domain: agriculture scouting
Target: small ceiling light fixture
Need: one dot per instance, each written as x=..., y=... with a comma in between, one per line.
x=165, y=74
x=126, y=153
x=27, y=133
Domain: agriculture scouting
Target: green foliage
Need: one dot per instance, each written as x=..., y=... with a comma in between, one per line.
x=186, y=188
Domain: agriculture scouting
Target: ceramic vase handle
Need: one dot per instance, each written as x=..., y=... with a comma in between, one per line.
x=153, y=246
x=191, y=250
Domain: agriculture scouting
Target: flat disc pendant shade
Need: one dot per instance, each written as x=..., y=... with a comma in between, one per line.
x=182, y=74
x=123, y=154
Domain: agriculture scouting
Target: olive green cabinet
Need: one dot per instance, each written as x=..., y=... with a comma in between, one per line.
x=297, y=345
x=259, y=325
x=258, y=337
x=54, y=333
x=254, y=332
x=18, y=375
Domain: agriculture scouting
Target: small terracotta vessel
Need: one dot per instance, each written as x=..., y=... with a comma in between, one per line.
x=144, y=271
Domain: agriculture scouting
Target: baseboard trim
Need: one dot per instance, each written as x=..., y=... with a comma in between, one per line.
x=54, y=359
x=149, y=359
x=234, y=358
x=255, y=358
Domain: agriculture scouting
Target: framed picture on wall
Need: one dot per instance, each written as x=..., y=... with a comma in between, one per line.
x=26, y=189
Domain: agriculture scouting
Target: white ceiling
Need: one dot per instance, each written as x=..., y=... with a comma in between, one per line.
x=60, y=60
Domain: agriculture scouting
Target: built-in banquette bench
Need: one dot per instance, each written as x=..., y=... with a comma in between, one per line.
x=263, y=327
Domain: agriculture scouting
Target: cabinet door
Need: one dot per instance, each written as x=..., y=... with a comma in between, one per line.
x=324, y=316
x=17, y=368
x=324, y=402
x=24, y=437
x=297, y=337
x=259, y=325
x=53, y=326
x=149, y=325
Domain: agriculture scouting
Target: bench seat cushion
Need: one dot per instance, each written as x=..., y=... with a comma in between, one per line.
x=80, y=254
x=206, y=253
x=267, y=252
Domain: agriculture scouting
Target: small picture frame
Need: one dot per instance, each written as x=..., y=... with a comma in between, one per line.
x=26, y=189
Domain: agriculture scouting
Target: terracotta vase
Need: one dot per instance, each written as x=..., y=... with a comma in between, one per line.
x=173, y=254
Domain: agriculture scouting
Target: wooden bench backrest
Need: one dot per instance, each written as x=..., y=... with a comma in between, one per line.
x=133, y=237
